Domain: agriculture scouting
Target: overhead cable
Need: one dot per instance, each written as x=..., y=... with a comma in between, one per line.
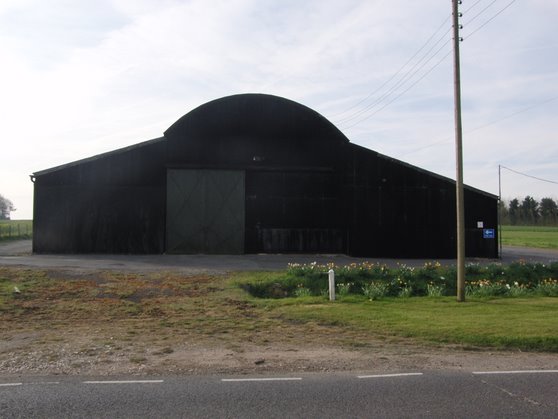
x=448, y=139
x=421, y=63
x=356, y=117
x=403, y=92
x=398, y=71
x=530, y=176
x=490, y=19
x=481, y=12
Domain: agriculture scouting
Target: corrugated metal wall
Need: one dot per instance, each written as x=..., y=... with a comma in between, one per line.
x=294, y=211
x=402, y=211
x=111, y=204
x=296, y=183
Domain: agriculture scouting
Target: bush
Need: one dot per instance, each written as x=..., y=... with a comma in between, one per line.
x=548, y=288
x=344, y=288
x=434, y=290
x=302, y=291
x=485, y=288
x=518, y=290
x=375, y=290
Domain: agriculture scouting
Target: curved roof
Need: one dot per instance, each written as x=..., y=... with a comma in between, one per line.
x=261, y=116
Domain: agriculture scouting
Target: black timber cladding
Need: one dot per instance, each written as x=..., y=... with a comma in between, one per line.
x=112, y=203
x=305, y=188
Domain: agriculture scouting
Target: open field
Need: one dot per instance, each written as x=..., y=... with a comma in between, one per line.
x=106, y=323
x=530, y=236
x=16, y=229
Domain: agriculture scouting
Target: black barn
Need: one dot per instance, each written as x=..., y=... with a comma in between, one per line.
x=254, y=173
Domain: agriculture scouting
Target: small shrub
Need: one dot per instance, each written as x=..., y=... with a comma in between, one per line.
x=548, y=288
x=473, y=269
x=404, y=272
x=495, y=271
x=375, y=290
x=429, y=271
x=344, y=288
x=518, y=290
x=302, y=291
x=524, y=272
x=485, y=288
x=434, y=290
x=406, y=292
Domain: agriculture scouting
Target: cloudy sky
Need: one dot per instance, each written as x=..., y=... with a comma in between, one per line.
x=79, y=78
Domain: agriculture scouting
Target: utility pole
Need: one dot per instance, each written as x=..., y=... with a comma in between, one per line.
x=458, y=156
x=499, y=207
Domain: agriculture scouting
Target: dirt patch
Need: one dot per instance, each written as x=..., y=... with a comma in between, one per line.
x=78, y=352
x=107, y=323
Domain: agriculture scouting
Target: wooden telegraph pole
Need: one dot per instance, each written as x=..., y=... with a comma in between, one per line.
x=458, y=157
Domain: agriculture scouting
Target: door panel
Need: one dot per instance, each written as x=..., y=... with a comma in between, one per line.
x=205, y=211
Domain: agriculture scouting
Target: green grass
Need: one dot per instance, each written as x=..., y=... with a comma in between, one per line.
x=530, y=236
x=16, y=229
x=529, y=324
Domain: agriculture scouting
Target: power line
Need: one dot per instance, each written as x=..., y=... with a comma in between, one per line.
x=528, y=108
x=530, y=176
x=481, y=12
x=359, y=115
x=491, y=19
x=448, y=139
x=403, y=92
x=395, y=75
x=404, y=80
x=472, y=6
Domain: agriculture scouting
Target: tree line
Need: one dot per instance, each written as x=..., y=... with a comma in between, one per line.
x=529, y=211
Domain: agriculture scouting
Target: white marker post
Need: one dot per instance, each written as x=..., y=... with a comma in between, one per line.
x=331, y=276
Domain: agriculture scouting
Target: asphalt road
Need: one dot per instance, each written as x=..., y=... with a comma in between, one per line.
x=18, y=253
x=414, y=394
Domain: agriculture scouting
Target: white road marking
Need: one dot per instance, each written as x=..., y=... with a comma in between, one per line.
x=44, y=383
x=10, y=384
x=515, y=372
x=125, y=382
x=403, y=374
x=231, y=380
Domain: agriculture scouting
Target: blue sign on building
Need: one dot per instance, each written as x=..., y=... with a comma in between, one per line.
x=488, y=233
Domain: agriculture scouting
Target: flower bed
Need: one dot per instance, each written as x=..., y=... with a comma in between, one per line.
x=432, y=279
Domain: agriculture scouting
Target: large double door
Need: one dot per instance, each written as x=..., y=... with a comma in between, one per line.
x=205, y=211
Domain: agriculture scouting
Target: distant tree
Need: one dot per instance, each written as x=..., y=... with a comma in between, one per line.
x=503, y=212
x=529, y=211
x=549, y=211
x=513, y=212
x=6, y=206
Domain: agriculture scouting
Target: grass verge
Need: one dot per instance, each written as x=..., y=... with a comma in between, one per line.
x=529, y=324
